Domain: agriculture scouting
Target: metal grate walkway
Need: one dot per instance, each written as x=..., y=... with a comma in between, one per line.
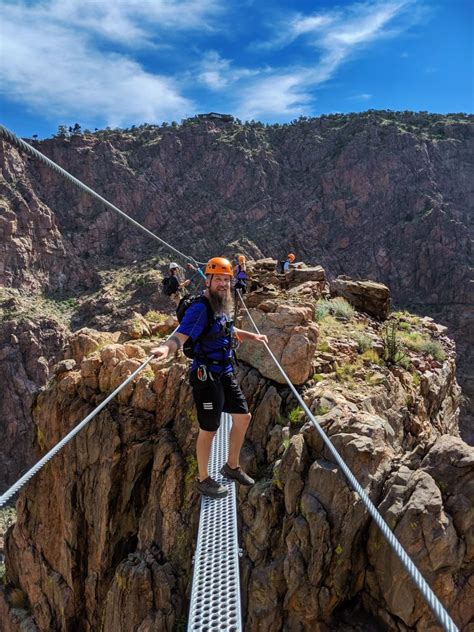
x=215, y=597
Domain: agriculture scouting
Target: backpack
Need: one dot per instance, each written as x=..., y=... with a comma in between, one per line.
x=170, y=285
x=184, y=303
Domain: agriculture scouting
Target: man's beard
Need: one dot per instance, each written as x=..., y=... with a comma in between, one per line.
x=221, y=304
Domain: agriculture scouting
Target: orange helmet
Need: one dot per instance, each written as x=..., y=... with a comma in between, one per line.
x=241, y=259
x=291, y=256
x=219, y=265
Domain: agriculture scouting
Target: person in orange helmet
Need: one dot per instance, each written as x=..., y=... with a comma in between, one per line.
x=240, y=276
x=208, y=324
x=284, y=265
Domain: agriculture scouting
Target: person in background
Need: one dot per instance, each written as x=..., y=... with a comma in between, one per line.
x=286, y=264
x=173, y=284
x=240, y=276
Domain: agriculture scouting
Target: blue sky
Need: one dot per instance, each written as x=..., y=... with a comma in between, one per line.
x=125, y=62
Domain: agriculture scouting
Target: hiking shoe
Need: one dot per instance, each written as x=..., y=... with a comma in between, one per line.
x=210, y=487
x=236, y=474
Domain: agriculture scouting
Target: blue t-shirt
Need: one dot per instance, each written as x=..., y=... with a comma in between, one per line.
x=193, y=324
x=241, y=274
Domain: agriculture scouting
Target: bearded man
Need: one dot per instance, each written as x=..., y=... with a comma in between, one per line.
x=212, y=377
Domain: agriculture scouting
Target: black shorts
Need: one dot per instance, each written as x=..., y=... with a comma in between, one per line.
x=217, y=395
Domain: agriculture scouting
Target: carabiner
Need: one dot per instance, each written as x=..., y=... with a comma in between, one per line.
x=202, y=373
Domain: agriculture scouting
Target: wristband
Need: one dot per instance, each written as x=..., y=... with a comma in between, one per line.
x=177, y=341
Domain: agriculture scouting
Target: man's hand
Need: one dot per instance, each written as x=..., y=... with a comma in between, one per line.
x=185, y=283
x=161, y=352
x=242, y=334
x=173, y=344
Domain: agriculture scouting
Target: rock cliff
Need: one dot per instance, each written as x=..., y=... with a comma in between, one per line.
x=380, y=195
x=105, y=533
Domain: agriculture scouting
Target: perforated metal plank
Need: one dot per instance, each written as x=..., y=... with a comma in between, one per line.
x=215, y=597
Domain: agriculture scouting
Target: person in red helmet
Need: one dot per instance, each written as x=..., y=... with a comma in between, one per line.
x=207, y=322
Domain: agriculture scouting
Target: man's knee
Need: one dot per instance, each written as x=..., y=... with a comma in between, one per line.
x=243, y=419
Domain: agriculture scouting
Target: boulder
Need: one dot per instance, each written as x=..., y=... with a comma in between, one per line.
x=309, y=291
x=368, y=296
x=292, y=337
x=296, y=276
x=84, y=342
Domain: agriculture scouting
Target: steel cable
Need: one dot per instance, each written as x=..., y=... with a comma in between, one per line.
x=431, y=599
x=33, y=152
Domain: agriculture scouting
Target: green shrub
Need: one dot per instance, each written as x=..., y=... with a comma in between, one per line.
x=192, y=469
x=323, y=346
x=322, y=309
x=347, y=370
x=342, y=308
x=413, y=340
x=371, y=356
x=337, y=307
x=364, y=342
x=317, y=377
x=435, y=349
x=424, y=344
x=155, y=317
x=321, y=410
x=393, y=348
x=296, y=415
x=404, y=326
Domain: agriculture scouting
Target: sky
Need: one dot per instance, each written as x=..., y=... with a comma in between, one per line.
x=119, y=63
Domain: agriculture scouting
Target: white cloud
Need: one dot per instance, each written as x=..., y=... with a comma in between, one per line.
x=129, y=22
x=364, y=96
x=282, y=94
x=50, y=59
x=56, y=57
x=217, y=73
x=341, y=33
x=338, y=35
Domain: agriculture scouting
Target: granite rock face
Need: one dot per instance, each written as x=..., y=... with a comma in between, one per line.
x=105, y=534
x=385, y=196
x=28, y=348
x=292, y=338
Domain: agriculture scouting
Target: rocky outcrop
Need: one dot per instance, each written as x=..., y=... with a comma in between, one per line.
x=113, y=518
x=130, y=446
x=427, y=500
x=28, y=349
x=379, y=195
x=36, y=251
x=292, y=336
